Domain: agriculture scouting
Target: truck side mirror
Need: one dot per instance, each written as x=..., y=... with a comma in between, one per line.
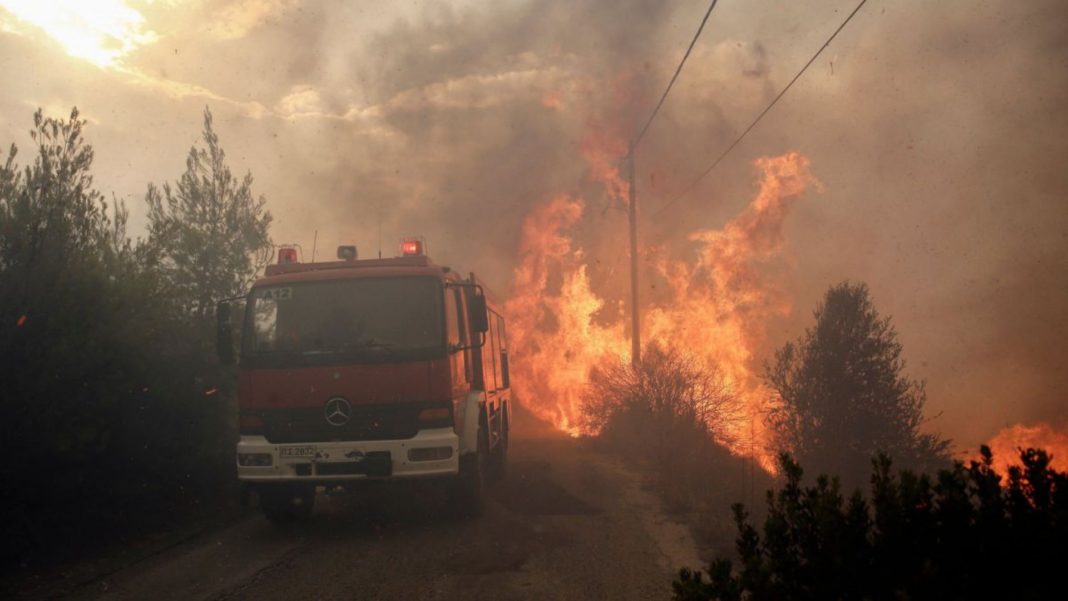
x=224, y=343
x=478, y=314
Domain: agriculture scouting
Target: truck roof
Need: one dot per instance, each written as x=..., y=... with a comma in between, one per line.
x=332, y=270
x=418, y=265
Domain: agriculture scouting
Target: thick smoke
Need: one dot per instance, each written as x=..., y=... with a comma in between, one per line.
x=937, y=130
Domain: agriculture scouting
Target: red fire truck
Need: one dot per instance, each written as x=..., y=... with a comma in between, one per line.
x=357, y=370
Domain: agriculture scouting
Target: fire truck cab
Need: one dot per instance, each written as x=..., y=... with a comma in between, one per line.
x=359, y=370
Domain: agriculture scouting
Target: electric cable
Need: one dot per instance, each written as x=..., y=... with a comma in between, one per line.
x=737, y=140
x=671, y=83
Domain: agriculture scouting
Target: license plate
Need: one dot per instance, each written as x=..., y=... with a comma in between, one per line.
x=307, y=451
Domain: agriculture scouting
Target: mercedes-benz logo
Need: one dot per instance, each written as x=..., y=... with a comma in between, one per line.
x=338, y=411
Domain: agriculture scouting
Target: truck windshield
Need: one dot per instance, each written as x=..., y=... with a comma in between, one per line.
x=366, y=319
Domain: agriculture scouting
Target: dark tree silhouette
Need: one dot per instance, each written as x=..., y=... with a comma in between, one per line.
x=62, y=331
x=963, y=535
x=842, y=394
x=103, y=411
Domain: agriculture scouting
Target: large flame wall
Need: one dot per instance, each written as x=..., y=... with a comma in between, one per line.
x=717, y=309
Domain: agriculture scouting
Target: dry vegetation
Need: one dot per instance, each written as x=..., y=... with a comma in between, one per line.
x=667, y=415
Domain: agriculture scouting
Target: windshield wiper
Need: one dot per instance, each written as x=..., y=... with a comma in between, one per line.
x=369, y=344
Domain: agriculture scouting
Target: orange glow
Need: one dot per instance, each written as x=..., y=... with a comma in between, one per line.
x=1006, y=444
x=718, y=305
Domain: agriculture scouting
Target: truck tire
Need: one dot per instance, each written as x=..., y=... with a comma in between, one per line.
x=286, y=504
x=466, y=498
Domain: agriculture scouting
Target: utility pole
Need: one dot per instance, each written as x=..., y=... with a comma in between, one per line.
x=635, y=313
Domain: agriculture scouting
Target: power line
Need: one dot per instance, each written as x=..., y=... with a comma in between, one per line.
x=678, y=70
x=720, y=158
x=632, y=204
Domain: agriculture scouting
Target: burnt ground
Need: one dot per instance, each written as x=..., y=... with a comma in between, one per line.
x=567, y=523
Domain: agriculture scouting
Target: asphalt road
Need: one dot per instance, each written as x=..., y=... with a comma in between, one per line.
x=567, y=523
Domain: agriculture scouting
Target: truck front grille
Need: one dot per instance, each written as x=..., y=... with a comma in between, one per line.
x=383, y=422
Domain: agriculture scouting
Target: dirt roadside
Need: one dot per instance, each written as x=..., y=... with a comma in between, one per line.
x=567, y=523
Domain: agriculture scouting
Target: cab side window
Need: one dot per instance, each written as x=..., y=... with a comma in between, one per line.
x=461, y=319
x=456, y=326
x=452, y=327
x=490, y=366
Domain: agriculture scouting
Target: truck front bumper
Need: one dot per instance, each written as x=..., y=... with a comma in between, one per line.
x=429, y=453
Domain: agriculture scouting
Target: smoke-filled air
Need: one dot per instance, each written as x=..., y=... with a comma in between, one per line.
x=498, y=132
x=837, y=228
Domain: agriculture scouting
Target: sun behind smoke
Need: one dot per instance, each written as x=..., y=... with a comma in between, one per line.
x=99, y=31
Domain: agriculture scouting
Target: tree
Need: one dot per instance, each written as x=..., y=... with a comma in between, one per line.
x=842, y=395
x=50, y=211
x=104, y=402
x=72, y=341
x=208, y=233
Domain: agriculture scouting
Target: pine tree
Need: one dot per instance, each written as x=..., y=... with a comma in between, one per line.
x=208, y=232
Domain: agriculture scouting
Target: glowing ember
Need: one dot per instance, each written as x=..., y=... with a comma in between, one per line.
x=1006, y=445
x=21, y=320
x=552, y=99
x=716, y=312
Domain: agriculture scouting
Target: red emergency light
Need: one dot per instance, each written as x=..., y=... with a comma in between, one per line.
x=413, y=247
x=286, y=255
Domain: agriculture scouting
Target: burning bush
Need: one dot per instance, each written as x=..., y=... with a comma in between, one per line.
x=962, y=535
x=675, y=415
x=668, y=389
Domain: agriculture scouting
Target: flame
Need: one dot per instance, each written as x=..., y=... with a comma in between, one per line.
x=1006, y=444
x=555, y=328
x=603, y=152
x=717, y=305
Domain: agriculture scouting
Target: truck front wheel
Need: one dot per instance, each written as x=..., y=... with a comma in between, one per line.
x=498, y=457
x=467, y=495
x=284, y=504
